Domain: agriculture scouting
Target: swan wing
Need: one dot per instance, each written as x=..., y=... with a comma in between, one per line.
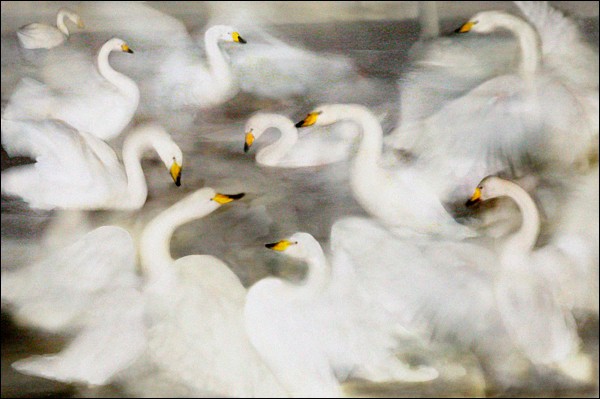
x=60, y=292
x=564, y=50
x=111, y=340
x=534, y=318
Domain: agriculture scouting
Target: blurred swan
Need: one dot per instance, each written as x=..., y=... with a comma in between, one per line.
x=289, y=151
x=75, y=170
x=195, y=306
x=90, y=290
x=324, y=329
x=527, y=298
x=186, y=314
x=102, y=105
x=36, y=35
x=405, y=198
x=540, y=115
x=185, y=81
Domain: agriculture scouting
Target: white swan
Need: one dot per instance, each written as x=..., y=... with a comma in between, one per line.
x=36, y=35
x=195, y=305
x=183, y=80
x=75, y=170
x=191, y=308
x=100, y=104
x=406, y=198
x=540, y=114
x=527, y=298
x=314, y=148
x=323, y=329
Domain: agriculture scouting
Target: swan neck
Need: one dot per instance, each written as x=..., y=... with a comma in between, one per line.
x=133, y=150
x=273, y=153
x=523, y=241
x=529, y=43
x=318, y=274
x=120, y=81
x=218, y=66
x=155, y=243
x=60, y=22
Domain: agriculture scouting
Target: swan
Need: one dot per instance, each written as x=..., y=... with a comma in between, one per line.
x=290, y=151
x=185, y=81
x=102, y=105
x=402, y=199
x=75, y=170
x=191, y=309
x=322, y=329
x=36, y=35
x=527, y=296
x=448, y=292
x=539, y=115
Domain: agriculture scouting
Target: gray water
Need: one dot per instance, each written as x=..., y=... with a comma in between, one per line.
x=278, y=202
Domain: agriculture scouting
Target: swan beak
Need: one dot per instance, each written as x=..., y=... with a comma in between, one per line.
x=80, y=24
x=466, y=27
x=225, y=198
x=125, y=48
x=249, y=141
x=280, y=245
x=176, y=173
x=237, y=38
x=475, y=198
x=310, y=120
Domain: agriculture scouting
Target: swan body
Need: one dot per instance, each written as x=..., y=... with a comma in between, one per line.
x=323, y=329
x=36, y=35
x=527, y=299
x=75, y=170
x=102, y=105
x=188, y=312
x=403, y=199
x=291, y=151
x=540, y=113
x=185, y=81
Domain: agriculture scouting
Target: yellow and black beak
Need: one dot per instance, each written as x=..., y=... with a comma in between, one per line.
x=280, y=245
x=80, y=24
x=475, y=198
x=125, y=48
x=249, y=141
x=176, y=173
x=466, y=27
x=237, y=38
x=226, y=198
x=310, y=120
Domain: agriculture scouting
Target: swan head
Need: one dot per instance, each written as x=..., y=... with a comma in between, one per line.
x=297, y=246
x=259, y=123
x=116, y=44
x=489, y=187
x=73, y=17
x=206, y=196
x=171, y=155
x=484, y=22
x=328, y=114
x=226, y=33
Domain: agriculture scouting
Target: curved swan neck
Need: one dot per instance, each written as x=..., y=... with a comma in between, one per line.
x=372, y=134
x=529, y=42
x=218, y=66
x=523, y=240
x=155, y=243
x=121, y=82
x=60, y=22
x=272, y=154
x=319, y=270
x=134, y=147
